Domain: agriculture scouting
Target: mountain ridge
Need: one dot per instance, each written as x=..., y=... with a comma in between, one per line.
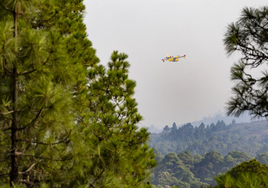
x=244, y=118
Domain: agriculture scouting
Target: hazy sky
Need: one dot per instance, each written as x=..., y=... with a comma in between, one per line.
x=147, y=30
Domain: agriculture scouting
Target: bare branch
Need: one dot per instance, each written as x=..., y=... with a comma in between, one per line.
x=5, y=128
x=30, y=184
x=5, y=113
x=28, y=169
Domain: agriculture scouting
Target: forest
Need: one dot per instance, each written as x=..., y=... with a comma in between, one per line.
x=248, y=137
x=185, y=170
x=205, y=152
x=68, y=121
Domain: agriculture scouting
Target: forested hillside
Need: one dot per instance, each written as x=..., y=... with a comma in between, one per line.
x=248, y=137
x=191, y=156
x=186, y=170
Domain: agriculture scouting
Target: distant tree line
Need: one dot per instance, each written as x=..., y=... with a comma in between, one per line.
x=247, y=137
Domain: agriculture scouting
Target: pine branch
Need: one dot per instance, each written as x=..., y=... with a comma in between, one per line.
x=33, y=70
x=28, y=72
x=39, y=157
x=28, y=169
x=33, y=122
x=5, y=128
x=66, y=140
x=7, y=70
x=29, y=184
x=1, y=175
x=92, y=184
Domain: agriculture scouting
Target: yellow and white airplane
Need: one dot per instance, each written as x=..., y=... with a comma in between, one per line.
x=173, y=58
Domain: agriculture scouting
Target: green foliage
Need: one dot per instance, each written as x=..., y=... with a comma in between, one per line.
x=249, y=37
x=247, y=174
x=179, y=171
x=39, y=74
x=65, y=120
x=199, y=170
x=118, y=150
x=187, y=158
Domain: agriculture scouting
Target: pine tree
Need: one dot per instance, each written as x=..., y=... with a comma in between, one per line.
x=247, y=174
x=249, y=37
x=65, y=121
x=119, y=150
x=43, y=65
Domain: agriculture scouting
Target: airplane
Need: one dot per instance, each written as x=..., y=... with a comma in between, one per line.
x=173, y=58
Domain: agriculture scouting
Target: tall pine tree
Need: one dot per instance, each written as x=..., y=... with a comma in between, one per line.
x=65, y=121
x=119, y=150
x=43, y=65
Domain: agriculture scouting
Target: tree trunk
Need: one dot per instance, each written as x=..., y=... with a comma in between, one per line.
x=14, y=173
